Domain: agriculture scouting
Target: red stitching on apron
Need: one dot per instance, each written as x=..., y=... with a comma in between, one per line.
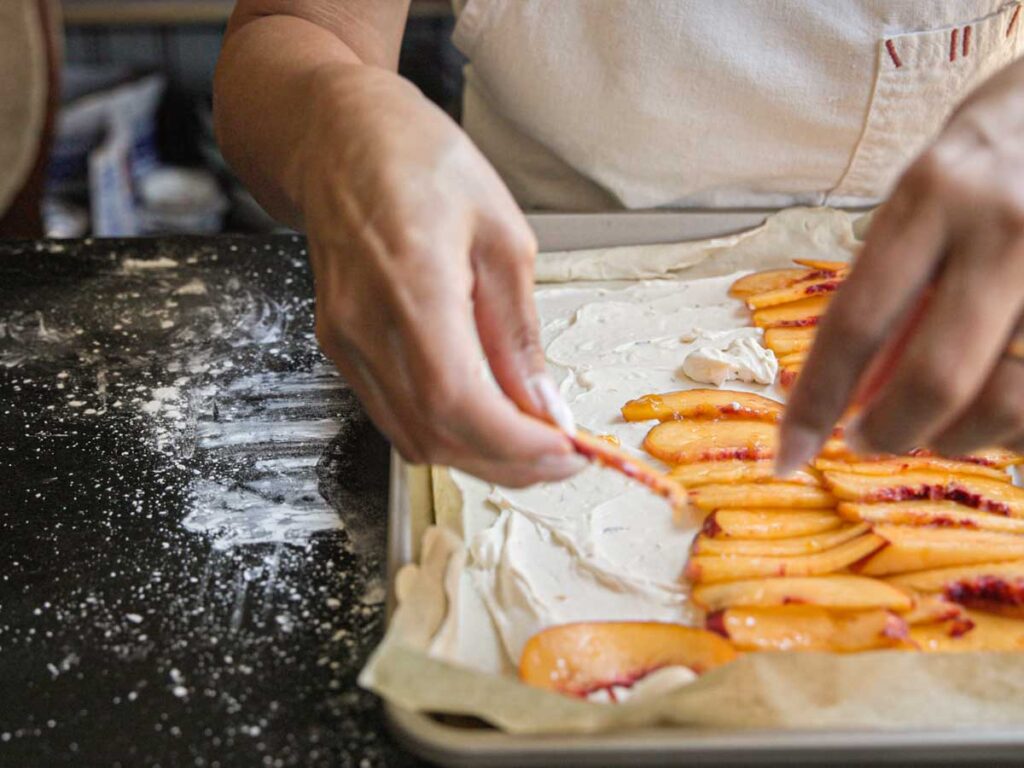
x=1013, y=21
x=967, y=41
x=891, y=48
x=954, y=39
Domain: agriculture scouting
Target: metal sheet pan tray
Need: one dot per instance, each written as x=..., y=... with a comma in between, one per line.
x=468, y=742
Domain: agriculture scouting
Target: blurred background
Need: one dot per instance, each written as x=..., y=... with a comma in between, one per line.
x=127, y=147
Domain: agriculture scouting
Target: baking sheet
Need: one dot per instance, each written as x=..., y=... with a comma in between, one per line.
x=759, y=695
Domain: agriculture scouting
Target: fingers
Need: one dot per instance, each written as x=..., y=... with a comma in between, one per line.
x=995, y=419
x=899, y=256
x=945, y=363
x=506, y=320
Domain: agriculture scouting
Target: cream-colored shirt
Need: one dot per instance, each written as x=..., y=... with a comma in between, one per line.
x=591, y=104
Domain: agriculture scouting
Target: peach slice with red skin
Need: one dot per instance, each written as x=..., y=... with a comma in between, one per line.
x=976, y=631
x=898, y=464
x=578, y=659
x=683, y=442
x=788, y=375
x=918, y=549
x=787, y=341
x=754, y=495
x=969, y=490
x=795, y=314
x=936, y=514
x=809, y=628
x=708, y=404
x=769, y=523
x=706, y=569
x=992, y=587
x=767, y=280
x=793, y=359
x=809, y=287
x=931, y=609
x=836, y=591
x=822, y=265
x=604, y=453
x=735, y=471
x=798, y=545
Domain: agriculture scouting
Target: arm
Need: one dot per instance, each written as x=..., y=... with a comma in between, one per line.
x=934, y=300
x=416, y=245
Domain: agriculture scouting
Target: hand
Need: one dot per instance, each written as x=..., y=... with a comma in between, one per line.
x=416, y=246
x=933, y=301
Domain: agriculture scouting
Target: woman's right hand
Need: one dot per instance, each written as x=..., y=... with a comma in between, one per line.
x=417, y=248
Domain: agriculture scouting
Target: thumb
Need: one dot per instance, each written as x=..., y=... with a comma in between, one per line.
x=506, y=320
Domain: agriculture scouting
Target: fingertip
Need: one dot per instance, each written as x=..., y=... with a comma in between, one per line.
x=797, y=446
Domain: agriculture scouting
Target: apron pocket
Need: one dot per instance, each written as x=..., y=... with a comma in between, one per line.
x=921, y=78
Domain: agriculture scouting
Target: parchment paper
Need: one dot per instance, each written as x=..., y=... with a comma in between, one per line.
x=885, y=690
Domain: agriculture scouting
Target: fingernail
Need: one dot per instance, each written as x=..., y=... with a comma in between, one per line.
x=551, y=402
x=562, y=466
x=798, y=446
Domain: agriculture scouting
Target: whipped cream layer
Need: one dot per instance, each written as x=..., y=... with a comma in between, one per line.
x=596, y=546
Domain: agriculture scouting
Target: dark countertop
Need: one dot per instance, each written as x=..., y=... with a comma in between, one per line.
x=169, y=436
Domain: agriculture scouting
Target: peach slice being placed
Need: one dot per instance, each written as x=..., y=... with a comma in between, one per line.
x=755, y=495
x=968, y=490
x=809, y=628
x=768, y=280
x=899, y=464
x=703, y=404
x=975, y=632
x=815, y=285
x=799, y=545
x=786, y=341
x=824, y=266
x=735, y=471
x=796, y=314
x=705, y=569
x=682, y=442
x=838, y=591
x=608, y=455
x=769, y=523
x=917, y=549
x=946, y=514
x=577, y=659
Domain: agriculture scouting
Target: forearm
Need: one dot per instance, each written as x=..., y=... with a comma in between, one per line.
x=274, y=73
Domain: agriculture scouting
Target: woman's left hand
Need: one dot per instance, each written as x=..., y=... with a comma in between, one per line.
x=933, y=303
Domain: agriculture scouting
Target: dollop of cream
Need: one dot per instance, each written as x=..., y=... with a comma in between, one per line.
x=722, y=357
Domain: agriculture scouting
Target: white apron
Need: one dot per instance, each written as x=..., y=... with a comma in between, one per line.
x=591, y=104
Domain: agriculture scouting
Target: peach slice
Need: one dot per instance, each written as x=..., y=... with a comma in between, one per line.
x=795, y=314
x=786, y=341
x=682, y=442
x=703, y=404
x=974, y=632
x=946, y=514
x=838, y=591
x=824, y=266
x=577, y=659
x=793, y=359
x=809, y=628
x=705, y=569
x=968, y=490
x=941, y=579
x=918, y=549
x=769, y=523
x=896, y=465
x=604, y=453
x=798, y=545
x=760, y=495
x=788, y=375
x=992, y=587
x=929, y=609
x=815, y=285
x=735, y=471
x=767, y=280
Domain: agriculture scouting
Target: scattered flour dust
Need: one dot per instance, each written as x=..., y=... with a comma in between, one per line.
x=142, y=265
